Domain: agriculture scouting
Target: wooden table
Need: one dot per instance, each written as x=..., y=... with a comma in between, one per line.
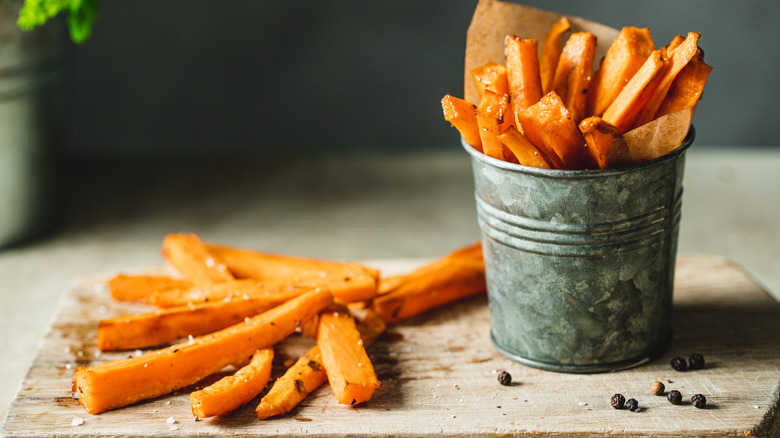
x=439, y=374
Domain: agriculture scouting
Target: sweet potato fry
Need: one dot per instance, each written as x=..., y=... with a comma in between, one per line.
x=350, y=372
x=232, y=392
x=687, y=87
x=679, y=57
x=676, y=41
x=551, y=52
x=123, y=382
x=151, y=329
x=490, y=76
x=188, y=254
x=277, y=289
x=548, y=125
x=303, y=377
x=307, y=374
x=463, y=116
x=624, y=111
x=522, y=66
x=600, y=137
x=140, y=288
x=450, y=278
x=494, y=115
x=348, y=282
x=624, y=57
x=572, y=75
x=526, y=153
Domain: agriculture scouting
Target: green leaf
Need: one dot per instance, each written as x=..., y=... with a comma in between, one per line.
x=81, y=15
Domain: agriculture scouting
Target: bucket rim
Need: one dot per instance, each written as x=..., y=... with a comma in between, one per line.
x=587, y=173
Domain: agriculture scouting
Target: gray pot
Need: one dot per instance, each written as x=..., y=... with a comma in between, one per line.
x=580, y=264
x=30, y=86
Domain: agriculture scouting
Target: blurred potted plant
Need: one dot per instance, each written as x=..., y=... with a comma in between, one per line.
x=31, y=105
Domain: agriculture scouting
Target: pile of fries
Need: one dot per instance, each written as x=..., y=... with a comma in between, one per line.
x=552, y=110
x=230, y=307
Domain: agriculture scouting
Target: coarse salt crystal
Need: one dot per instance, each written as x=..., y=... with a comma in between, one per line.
x=68, y=366
x=174, y=428
x=190, y=340
x=76, y=421
x=67, y=349
x=103, y=309
x=246, y=320
x=170, y=420
x=754, y=406
x=246, y=297
x=138, y=352
x=210, y=262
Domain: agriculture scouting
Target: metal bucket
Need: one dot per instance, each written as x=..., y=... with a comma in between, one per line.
x=580, y=264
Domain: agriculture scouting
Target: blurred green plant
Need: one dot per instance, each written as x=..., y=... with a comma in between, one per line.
x=81, y=15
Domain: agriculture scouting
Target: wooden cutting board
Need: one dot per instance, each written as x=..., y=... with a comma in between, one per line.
x=439, y=373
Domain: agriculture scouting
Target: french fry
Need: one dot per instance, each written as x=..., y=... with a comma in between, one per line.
x=455, y=276
x=522, y=66
x=551, y=52
x=276, y=290
x=232, y=392
x=494, y=115
x=190, y=256
x=572, y=75
x=463, y=116
x=548, y=125
x=624, y=111
x=350, y=372
x=348, y=282
x=165, y=326
x=604, y=142
x=676, y=41
x=678, y=59
x=490, y=76
x=307, y=374
x=687, y=87
x=140, y=288
x=526, y=153
x=624, y=57
x=122, y=382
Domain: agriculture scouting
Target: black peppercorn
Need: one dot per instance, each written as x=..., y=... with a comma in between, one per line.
x=504, y=378
x=674, y=397
x=699, y=401
x=617, y=401
x=696, y=361
x=632, y=405
x=679, y=364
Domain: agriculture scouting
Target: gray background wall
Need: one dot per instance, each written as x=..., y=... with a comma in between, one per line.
x=207, y=77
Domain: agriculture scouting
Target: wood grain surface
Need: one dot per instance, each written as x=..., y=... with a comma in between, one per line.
x=439, y=375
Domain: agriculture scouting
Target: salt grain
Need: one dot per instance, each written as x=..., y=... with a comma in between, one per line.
x=754, y=406
x=76, y=421
x=170, y=420
x=174, y=428
x=210, y=262
x=138, y=352
x=68, y=366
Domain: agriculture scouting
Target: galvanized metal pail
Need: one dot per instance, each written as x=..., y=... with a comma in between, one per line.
x=580, y=264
